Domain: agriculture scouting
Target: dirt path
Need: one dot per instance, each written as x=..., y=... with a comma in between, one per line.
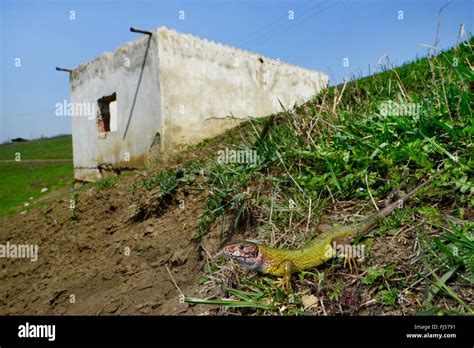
x=99, y=262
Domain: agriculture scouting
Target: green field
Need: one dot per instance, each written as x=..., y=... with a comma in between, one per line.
x=48, y=148
x=22, y=180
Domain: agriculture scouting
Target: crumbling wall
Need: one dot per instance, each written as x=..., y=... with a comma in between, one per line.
x=207, y=87
x=136, y=84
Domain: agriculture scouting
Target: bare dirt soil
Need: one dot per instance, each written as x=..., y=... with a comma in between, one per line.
x=105, y=259
x=83, y=267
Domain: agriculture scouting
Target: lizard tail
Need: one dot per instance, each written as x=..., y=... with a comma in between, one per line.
x=399, y=204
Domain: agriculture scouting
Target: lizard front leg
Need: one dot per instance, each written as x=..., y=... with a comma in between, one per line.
x=285, y=281
x=348, y=259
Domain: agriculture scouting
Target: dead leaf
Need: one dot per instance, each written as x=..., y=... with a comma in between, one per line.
x=309, y=301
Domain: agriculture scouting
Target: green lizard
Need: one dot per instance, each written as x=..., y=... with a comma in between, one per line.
x=280, y=262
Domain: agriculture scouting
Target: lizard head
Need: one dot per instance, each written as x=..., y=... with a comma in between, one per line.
x=245, y=252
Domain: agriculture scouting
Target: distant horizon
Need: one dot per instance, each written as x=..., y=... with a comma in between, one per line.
x=317, y=35
x=9, y=141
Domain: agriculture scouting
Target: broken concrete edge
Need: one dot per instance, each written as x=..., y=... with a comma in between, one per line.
x=84, y=175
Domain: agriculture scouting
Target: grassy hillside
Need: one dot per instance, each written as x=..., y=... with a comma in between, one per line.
x=48, y=148
x=23, y=181
x=353, y=148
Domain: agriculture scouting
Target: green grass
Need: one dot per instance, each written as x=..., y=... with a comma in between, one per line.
x=48, y=148
x=341, y=144
x=20, y=181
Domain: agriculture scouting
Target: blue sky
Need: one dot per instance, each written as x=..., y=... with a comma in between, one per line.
x=321, y=35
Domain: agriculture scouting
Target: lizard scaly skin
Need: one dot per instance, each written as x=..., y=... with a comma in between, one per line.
x=281, y=262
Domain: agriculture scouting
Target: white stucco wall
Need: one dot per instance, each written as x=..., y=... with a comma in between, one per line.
x=117, y=72
x=204, y=84
x=190, y=89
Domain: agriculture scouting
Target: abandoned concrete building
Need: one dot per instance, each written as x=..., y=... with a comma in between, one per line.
x=166, y=90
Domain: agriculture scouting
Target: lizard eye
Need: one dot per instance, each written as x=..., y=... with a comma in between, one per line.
x=255, y=252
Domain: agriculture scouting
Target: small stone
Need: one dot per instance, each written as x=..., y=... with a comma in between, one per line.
x=44, y=189
x=309, y=301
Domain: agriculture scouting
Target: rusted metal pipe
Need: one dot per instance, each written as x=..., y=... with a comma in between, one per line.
x=141, y=31
x=63, y=69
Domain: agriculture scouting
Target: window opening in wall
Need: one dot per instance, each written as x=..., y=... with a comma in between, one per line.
x=107, y=113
